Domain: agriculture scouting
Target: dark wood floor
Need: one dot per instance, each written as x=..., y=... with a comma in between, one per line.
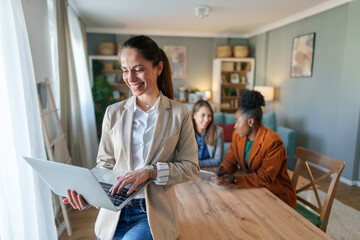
x=82, y=222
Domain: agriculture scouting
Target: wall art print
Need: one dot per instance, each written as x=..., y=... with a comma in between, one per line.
x=302, y=55
x=178, y=60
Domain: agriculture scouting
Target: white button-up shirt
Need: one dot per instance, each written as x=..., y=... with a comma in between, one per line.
x=142, y=131
x=142, y=135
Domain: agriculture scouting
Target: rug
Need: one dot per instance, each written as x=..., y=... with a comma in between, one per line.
x=344, y=221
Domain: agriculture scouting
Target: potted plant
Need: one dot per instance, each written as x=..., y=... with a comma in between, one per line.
x=102, y=95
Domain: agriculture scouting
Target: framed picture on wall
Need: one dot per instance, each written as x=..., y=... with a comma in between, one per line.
x=234, y=78
x=302, y=55
x=178, y=60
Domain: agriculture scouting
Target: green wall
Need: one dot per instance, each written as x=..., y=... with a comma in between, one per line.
x=348, y=133
x=323, y=109
x=200, y=55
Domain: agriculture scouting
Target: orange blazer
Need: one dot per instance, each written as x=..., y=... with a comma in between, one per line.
x=267, y=164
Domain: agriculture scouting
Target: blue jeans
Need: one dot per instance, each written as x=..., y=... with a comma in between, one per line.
x=133, y=223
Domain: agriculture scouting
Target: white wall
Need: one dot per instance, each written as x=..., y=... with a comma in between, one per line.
x=36, y=17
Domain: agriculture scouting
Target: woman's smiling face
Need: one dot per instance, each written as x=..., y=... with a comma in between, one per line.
x=139, y=73
x=202, y=118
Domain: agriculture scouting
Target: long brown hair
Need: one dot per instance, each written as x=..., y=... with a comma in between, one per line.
x=211, y=132
x=151, y=52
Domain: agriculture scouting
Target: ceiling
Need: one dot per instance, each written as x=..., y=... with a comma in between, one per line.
x=227, y=18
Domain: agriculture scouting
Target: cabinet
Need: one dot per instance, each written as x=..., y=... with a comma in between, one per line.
x=231, y=76
x=107, y=84
x=110, y=70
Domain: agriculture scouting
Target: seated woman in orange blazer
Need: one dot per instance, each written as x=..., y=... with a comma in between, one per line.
x=258, y=151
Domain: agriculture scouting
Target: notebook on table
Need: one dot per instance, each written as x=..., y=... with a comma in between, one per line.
x=93, y=185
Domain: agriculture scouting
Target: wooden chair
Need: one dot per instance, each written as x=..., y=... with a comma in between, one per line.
x=335, y=167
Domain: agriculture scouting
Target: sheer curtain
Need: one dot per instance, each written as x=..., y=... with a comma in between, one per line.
x=87, y=112
x=77, y=107
x=25, y=201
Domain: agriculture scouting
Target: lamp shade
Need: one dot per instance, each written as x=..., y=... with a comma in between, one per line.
x=208, y=95
x=267, y=91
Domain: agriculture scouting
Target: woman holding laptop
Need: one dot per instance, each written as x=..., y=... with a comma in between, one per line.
x=141, y=136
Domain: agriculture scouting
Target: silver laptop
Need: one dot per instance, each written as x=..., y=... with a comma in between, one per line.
x=93, y=185
x=206, y=175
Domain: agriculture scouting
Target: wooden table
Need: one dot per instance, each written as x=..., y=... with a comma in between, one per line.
x=208, y=211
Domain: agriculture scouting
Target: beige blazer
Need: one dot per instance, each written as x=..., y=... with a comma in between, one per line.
x=173, y=134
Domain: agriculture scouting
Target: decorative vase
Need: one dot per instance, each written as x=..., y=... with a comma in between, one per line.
x=182, y=96
x=192, y=98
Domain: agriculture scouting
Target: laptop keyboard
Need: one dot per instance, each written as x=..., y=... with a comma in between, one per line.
x=117, y=199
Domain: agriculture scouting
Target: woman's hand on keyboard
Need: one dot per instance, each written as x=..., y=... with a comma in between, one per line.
x=135, y=178
x=76, y=200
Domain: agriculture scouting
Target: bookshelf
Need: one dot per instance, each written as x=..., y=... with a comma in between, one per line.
x=231, y=76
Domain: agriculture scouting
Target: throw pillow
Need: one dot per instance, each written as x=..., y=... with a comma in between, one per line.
x=228, y=131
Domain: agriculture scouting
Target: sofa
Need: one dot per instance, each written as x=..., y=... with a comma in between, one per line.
x=288, y=136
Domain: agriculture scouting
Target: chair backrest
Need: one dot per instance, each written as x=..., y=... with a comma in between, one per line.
x=335, y=167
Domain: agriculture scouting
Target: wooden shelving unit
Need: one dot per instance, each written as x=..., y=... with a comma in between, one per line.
x=111, y=71
x=231, y=76
x=230, y=97
x=107, y=86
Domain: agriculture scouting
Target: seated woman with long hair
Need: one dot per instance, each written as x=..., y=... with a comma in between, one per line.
x=257, y=151
x=209, y=137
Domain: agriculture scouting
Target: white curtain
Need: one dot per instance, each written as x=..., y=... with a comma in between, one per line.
x=55, y=81
x=77, y=107
x=25, y=201
x=87, y=112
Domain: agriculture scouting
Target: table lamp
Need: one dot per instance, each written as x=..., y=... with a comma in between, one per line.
x=208, y=95
x=267, y=91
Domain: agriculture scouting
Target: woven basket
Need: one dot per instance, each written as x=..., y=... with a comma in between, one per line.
x=241, y=51
x=108, y=66
x=106, y=48
x=223, y=51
